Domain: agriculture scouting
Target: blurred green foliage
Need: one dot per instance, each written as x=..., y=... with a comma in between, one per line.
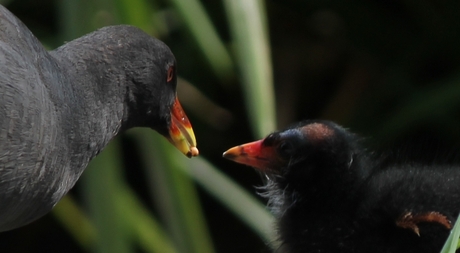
x=385, y=69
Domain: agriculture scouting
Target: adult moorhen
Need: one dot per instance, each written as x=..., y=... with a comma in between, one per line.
x=330, y=195
x=59, y=109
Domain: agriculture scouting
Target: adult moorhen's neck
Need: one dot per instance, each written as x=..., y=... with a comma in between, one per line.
x=104, y=71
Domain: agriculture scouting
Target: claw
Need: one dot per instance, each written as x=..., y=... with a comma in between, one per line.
x=410, y=221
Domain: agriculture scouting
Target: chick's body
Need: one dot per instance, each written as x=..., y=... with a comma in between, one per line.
x=330, y=195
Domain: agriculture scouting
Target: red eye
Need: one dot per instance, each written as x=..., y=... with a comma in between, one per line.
x=170, y=74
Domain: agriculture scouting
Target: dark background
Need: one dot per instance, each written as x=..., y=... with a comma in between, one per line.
x=388, y=70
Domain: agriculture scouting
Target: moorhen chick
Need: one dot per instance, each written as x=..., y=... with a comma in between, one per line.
x=329, y=194
x=59, y=109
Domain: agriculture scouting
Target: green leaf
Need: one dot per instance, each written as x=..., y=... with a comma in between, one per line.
x=452, y=243
x=234, y=197
x=198, y=22
x=102, y=184
x=176, y=195
x=75, y=221
x=247, y=20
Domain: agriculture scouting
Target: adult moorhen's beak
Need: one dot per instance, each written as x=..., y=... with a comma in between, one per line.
x=181, y=132
x=254, y=154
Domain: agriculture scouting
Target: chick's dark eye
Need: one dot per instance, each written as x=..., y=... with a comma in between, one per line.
x=285, y=149
x=170, y=75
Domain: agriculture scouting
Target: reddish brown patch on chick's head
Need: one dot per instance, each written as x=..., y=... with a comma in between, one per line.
x=317, y=132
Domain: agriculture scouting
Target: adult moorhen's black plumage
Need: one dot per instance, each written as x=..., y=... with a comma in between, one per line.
x=330, y=195
x=59, y=109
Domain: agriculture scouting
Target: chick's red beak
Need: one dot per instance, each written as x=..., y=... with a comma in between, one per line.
x=254, y=154
x=181, y=132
